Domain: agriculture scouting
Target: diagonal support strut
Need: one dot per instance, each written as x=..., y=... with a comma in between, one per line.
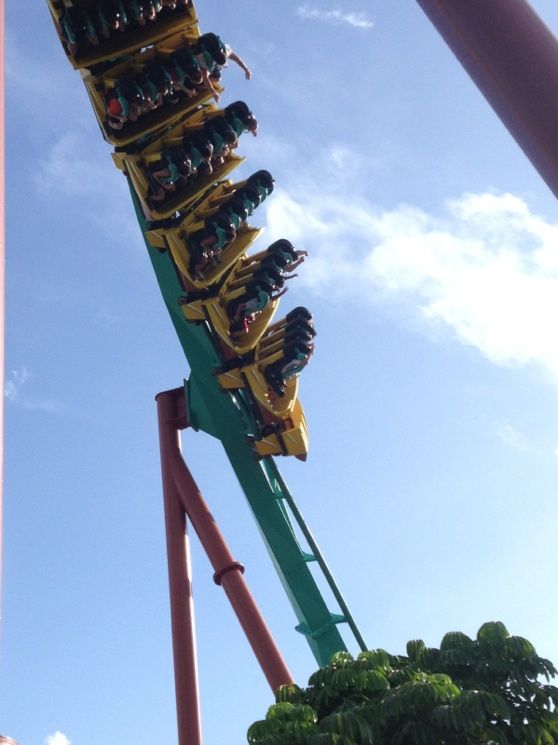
x=183, y=500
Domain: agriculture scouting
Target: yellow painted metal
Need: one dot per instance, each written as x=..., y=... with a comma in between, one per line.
x=291, y=433
x=175, y=238
x=231, y=379
x=281, y=406
x=128, y=42
x=177, y=244
x=214, y=310
x=290, y=439
x=151, y=122
x=173, y=136
x=136, y=165
x=193, y=218
x=283, y=414
x=252, y=375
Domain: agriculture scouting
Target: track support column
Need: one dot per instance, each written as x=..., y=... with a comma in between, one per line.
x=2, y=293
x=184, y=500
x=513, y=58
x=181, y=601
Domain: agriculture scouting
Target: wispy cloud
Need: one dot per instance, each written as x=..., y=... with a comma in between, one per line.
x=511, y=437
x=81, y=170
x=49, y=86
x=57, y=739
x=335, y=16
x=15, y=381
x=74, y=167
x=487, y=269
x=72, y=161
x=76, y=162
x=13, y=392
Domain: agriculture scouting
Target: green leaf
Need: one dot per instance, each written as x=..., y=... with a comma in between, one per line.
x=414, y=648
x=373, y=681
x=453, y=658
x=492, y=632
x=456, y=640
x=478, y=707
x=376, y=659
x=288, y=693
x=258, y=731
x=322, y=677
x=340, y=659
x=546, y=668
x=484, y=692
x=415, y=733
x=343, y=678
x=351, y=724
x=429, y=659
x=519, y=648
x=446, y=719
x=530, y=734
x=287, y=712
x=552, y=692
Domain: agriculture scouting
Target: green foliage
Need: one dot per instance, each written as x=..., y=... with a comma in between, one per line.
x=296, y=722
x=483, y=691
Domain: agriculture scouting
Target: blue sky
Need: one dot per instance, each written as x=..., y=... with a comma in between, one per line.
x=432, y=399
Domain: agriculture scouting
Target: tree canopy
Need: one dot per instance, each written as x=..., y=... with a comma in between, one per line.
x=492, y=690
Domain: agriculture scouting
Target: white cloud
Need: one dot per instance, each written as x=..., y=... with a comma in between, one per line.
x=335, y=16
x=57, y=739
x=73, y=161
x=487, y=270
x=81, y=169
x=76, y=167
x=511, y=437
x=340, y=157
x=49, y=86
x=14, y=382
x=13, y=386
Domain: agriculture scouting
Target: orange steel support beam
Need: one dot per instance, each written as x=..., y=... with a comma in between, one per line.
x=182, y=605
x=184, y=500
x=2, y=292
x=512, y=57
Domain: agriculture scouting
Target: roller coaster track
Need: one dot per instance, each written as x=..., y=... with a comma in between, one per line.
x=231, y=416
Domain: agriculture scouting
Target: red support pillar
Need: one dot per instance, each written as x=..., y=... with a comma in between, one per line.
x=2, y=295
x=183, y=499
x=181, y=601
x=228, y=574
x=513, y=58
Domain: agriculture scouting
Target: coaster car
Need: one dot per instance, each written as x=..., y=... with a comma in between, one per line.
x=184, y=237
x=148, y=91
x=219, y=229
x=258, y=372
x=283, y=429
x=94, y=31
x=219, y=308
x=174, y=149
x=288, y=436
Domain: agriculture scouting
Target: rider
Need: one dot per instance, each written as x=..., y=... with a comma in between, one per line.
x=212, y=55
x=295, y=358
x=173, y=167
x=257, y=296
x=111, y=16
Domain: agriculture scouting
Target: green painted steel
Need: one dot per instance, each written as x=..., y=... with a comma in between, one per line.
x=228, y=417
x=317, y=556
